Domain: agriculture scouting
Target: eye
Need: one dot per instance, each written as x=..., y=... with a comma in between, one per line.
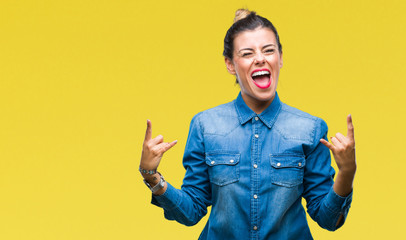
x=246, y=54
x=269, y=51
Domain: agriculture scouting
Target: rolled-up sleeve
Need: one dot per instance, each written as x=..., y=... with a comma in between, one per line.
x=323, y=204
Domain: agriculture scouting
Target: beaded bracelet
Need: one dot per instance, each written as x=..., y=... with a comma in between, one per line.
x=147, y=171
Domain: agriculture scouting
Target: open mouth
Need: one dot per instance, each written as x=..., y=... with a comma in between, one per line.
x=261, y=78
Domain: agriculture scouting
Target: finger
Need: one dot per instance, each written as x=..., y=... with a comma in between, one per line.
x=148, y=133
x=350, y=127
x=164, y=146
x=341, y=138
x=327, y=144
x=335, y=141
x=157, y=140
x=168, y=146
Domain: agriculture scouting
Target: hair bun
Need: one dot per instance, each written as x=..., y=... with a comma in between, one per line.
x=241, y=14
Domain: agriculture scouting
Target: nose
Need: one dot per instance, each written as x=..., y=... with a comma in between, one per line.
x=259, y=58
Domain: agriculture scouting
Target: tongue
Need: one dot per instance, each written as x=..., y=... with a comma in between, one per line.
x=262, y=81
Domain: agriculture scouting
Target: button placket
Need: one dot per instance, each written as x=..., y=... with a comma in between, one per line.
x=255, y=159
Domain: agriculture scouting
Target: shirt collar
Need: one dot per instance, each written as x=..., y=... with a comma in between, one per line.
x=268, y=116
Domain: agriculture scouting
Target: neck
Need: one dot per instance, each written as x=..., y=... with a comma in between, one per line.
x=256, y=105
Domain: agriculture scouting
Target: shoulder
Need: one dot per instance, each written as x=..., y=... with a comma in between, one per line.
x=218, y=120
x=293, y=124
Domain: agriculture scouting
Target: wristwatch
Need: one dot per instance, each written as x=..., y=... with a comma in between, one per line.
x=157, y=187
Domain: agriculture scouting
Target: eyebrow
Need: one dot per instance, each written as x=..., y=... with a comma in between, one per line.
x=250, y=49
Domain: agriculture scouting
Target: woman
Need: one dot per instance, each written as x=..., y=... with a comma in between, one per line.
x=253, y=159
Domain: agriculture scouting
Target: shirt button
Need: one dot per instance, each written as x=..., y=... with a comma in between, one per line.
x=300, y=164
x=256, y=136
x=232, y=160
x=255, y=166
x=255, y=228
x=278, y=164
x=212, y=162
x=255, y=196
x=256, y=118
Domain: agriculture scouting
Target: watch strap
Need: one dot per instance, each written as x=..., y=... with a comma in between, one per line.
x=158, y=186
x=147, y=171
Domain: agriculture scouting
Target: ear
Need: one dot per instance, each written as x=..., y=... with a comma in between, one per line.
x=281, y=60
x=230, y=65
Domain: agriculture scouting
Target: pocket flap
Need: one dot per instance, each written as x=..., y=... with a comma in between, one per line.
x=213, y=159
x=288, y=161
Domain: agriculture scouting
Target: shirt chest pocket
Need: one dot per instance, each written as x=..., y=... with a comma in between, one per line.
x=287, y=170
x=223, y=168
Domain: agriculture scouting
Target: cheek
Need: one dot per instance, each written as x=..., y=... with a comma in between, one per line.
x=274, y=60
x=242, y=64
x=242, y=76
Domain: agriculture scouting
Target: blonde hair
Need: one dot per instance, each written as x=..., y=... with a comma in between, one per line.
x=241, y=14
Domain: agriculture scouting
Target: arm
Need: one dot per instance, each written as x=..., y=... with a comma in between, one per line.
x=343, y=149
x=152, y=152
x=189, y=205
x=325, y=205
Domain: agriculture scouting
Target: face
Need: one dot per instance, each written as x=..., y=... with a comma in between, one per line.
x=256, y=63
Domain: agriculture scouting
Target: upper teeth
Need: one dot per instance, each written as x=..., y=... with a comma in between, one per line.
x=260, y=73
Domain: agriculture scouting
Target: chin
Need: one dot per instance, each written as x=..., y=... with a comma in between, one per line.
x=259, y=95
x=265, y=97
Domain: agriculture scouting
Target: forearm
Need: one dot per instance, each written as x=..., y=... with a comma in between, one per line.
x=343, y=186
x=180, y=205
x=344, y=182
x=330, y=211
x=177, y=204
x=189, y=204
x=152, y=180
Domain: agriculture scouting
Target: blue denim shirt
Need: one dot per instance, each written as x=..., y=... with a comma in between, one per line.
x=254, y=170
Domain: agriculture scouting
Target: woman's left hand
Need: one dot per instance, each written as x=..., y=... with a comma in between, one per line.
x=343, y=148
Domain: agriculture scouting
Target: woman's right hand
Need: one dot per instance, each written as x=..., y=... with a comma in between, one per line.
x=153, y=149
